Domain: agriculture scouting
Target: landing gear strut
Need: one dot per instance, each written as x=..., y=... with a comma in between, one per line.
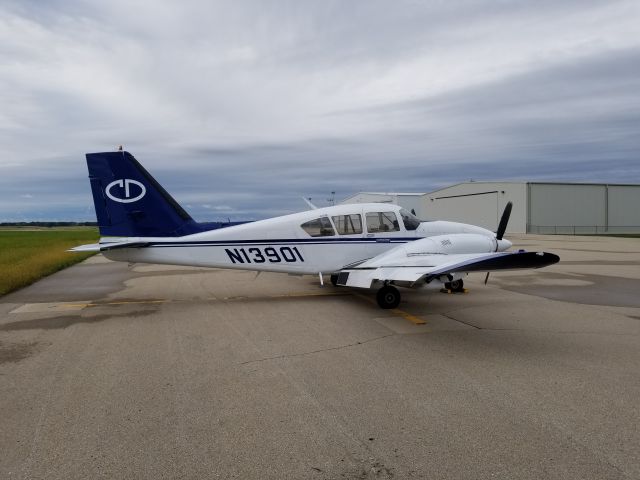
x=388, y=297
x=455, y=286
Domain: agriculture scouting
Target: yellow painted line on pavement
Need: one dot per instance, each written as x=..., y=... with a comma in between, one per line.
x=401, y=313
x=407, y=316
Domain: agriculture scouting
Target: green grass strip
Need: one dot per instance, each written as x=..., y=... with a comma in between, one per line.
x=26, y=256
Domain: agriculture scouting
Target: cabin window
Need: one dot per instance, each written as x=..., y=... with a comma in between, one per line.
x=348, y=224
x=410, y=221
x=320, y=227
x=378, y=222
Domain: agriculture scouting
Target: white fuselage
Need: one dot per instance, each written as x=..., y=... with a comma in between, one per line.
x=281, y=244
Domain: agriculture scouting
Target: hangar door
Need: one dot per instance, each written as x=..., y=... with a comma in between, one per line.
x=476, y=208
x=567, y=209
x=623, y=212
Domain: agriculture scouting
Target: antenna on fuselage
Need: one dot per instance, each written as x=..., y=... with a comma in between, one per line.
x=308, y=202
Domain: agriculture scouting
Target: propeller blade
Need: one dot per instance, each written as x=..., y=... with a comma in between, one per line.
x=502, y=226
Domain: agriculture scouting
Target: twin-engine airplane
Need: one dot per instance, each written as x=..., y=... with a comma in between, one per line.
x=373, y=245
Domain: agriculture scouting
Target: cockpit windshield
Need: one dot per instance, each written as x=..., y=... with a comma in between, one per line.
x=410, y=221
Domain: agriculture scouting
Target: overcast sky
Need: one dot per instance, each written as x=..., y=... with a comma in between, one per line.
x=239, y=108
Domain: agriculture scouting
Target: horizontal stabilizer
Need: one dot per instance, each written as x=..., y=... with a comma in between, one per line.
x=101, y=247
x=91, y=247
x=118, y=245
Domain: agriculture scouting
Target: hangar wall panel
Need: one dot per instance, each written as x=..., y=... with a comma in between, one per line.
x=565, y=208
x=477, y=209
x=480, y=203
x=624, y=208
x=411, y=202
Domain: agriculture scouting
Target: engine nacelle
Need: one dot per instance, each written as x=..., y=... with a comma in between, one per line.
x=455, y=243
x=452, y=244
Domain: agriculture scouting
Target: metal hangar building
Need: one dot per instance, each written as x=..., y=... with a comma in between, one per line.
x=538, y=207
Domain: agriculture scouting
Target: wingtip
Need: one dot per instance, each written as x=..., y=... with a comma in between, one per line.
x=547, y=258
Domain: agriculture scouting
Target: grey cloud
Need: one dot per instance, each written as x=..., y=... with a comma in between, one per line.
x=251, y=105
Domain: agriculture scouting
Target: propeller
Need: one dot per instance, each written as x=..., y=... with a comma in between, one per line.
x=502, y=227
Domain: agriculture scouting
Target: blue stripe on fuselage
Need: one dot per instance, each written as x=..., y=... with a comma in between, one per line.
x=283, y=241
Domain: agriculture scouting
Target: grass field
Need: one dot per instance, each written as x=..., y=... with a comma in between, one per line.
x=28, y=255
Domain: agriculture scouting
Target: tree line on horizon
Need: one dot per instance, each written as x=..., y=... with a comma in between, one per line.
x=48, y=224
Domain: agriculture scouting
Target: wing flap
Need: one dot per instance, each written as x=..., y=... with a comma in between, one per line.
x=406, y=276
x=355, y=278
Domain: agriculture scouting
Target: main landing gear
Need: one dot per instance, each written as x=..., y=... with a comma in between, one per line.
x=388, y=297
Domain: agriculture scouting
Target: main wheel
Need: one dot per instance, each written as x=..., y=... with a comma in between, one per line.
x=388, y=297
x=334, y=279
x=456, y=286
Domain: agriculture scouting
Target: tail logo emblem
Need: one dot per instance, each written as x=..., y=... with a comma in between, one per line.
x=125, y=184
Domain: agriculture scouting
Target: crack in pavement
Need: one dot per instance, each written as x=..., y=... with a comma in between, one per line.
x=302, y=354
x=447, y=315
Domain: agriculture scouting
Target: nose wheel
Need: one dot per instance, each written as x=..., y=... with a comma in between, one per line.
x=388, y=297
x=455, y=286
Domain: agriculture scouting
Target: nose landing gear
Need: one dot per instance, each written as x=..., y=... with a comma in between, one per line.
x=456, y=286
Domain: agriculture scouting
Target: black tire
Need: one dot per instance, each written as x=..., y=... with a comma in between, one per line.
x=456, y=286
x=334, y=279
x=388, y=297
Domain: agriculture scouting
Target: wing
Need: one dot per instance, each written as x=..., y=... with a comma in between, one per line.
x=418, y=270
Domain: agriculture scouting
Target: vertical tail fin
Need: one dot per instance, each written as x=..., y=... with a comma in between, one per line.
x=129, y=202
